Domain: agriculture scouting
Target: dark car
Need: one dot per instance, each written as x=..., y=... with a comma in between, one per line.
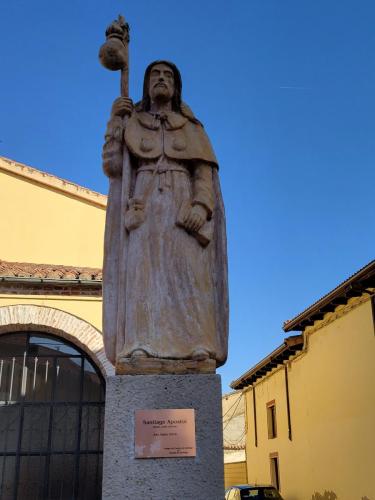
x=251, y=492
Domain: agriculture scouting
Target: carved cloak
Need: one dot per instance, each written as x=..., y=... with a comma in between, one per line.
x=181, y=137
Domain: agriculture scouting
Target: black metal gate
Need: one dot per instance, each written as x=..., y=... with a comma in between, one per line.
x=51, y=420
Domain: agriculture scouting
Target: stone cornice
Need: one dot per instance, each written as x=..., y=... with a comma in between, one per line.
x=52, y=182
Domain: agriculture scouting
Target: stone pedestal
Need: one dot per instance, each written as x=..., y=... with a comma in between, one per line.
x=185, y=478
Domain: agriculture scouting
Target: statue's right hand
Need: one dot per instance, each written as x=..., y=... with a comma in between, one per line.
x=122, y=106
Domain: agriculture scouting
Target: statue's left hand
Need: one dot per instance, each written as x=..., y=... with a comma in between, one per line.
x=195, y=218
x=122, y=106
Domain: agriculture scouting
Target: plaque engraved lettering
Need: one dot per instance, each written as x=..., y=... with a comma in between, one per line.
x=164, y=433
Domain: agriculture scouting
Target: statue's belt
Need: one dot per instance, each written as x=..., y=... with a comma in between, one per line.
x=163, y=170
x=135, y=213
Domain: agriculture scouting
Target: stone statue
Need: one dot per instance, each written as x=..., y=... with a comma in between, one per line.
x=165, y=292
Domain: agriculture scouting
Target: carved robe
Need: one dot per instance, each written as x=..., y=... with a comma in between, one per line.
x=164, y=292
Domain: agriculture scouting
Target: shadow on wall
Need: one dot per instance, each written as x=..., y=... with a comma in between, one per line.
x=330, y=495
x=327, y=495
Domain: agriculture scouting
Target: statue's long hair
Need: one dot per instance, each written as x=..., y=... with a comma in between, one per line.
x=145, y=104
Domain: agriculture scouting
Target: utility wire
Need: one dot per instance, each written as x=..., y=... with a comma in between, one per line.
x=231, y=443
x=236, y=402
x=234, y=411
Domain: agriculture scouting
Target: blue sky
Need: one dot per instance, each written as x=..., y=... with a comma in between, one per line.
x=286, y=91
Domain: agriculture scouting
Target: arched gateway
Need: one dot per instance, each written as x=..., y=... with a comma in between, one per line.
x=52, y=389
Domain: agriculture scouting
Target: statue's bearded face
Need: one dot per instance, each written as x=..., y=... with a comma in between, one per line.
x=161, y=83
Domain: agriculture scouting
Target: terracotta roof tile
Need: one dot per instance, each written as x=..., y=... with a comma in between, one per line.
x=234, y=446
x=48, y=271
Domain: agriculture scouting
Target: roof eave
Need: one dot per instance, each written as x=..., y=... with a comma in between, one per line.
x=290, y=345
x=361, y=282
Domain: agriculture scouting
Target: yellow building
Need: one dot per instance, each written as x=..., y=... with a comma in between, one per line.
x=52, y=362
x=310, y=404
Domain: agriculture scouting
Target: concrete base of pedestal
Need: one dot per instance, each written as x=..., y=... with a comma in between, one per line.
x=186, y=478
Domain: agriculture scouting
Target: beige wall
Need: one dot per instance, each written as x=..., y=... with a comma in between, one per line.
x=47, y=220
x=43, y=225
x=332, y=400
x=235, y=473
x=233, y=409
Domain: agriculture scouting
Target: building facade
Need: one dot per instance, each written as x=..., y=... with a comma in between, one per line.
x=310, y=405
x=52, y=362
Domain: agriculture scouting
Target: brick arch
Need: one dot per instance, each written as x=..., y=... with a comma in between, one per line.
x=46, y=319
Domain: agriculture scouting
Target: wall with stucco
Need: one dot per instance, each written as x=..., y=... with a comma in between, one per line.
x=87, y=308
x=332, y=402
x=233, y=410
x=47, y=220
x=42, y=224
x=268, y=389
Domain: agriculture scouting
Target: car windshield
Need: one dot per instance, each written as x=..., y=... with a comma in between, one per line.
x=260, y=493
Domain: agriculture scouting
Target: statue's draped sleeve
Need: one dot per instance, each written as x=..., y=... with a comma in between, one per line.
x=113, y=148
x=203, y=191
